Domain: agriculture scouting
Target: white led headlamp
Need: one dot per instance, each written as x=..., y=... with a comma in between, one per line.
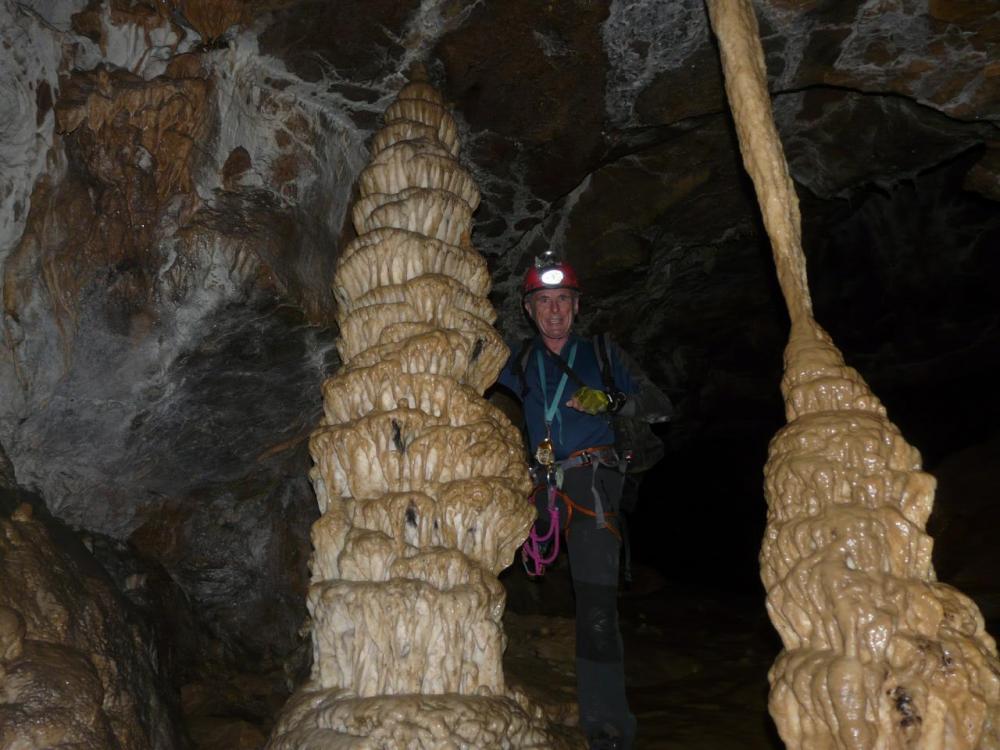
x=549, y=272
x=552, y=276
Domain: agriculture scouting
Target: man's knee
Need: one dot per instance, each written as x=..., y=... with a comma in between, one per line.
x=597, y=623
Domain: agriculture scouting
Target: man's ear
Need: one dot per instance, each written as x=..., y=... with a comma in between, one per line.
x=527, y=308
x=576, y=303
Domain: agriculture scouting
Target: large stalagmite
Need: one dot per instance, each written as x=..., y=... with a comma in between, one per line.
x=420, y=481
x=878, y=654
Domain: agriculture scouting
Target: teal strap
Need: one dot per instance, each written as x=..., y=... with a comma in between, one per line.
x=552, y=410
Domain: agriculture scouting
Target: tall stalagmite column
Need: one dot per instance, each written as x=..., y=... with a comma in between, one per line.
x=420, y=481
x=878, y=655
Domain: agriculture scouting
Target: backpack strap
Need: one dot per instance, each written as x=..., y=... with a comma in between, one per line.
x=521, y=365
x=570, y=373
x=602, y=349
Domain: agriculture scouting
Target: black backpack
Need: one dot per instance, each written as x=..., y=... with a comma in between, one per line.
x=634, y=438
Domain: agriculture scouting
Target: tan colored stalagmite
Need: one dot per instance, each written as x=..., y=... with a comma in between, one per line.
x=421, y=482
x=878, y=654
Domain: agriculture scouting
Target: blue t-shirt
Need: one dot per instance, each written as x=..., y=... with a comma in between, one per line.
x=572, y=430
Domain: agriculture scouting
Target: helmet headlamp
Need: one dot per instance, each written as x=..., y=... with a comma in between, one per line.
x=552, y=276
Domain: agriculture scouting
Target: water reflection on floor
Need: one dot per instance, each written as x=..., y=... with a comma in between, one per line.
x=696, y=661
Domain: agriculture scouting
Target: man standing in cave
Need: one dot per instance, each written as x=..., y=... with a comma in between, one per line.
x=575, y=462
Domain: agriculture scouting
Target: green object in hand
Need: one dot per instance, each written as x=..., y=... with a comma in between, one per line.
x=592, y=400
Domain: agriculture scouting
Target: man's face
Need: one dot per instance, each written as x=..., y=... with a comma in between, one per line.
x=553, y=311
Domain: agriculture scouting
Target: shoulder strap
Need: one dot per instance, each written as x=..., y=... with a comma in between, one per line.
x=562, y=365
x=520, y=365
x=602, y=350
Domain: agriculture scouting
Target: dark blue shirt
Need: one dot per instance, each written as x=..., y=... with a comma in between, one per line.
x=572, y=430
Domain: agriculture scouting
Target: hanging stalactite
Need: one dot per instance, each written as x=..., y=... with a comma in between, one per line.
x=878, y=654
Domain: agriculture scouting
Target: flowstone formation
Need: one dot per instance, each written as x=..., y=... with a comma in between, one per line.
x=878, y=654
x=421, y=483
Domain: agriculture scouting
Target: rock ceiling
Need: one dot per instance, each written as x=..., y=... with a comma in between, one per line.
x=175, y=177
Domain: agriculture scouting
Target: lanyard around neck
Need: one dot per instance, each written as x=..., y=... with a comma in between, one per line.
x=551, y=409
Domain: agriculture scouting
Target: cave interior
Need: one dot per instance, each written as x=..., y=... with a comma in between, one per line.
x=176, y=181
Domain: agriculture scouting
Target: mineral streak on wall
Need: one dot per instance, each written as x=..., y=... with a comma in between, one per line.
x=877, y=653
x=420, y=481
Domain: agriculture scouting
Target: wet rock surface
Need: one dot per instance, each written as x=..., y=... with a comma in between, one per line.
x=78, y=664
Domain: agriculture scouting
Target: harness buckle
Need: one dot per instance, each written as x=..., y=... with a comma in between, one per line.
x=605, y=455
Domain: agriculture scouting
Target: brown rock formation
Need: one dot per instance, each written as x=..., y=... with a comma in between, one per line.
x=420, y=481
x=131, y=142
x=130, y=255
x=211, y=18
x=878, y=654
x=73, y=671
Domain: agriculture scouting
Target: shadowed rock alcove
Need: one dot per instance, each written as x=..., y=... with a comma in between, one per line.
x=176, y=183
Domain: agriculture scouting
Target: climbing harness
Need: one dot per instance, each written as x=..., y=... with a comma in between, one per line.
x=541, y=549
x=596, y=457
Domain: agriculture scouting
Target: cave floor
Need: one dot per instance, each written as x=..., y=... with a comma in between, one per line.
x=696, y=665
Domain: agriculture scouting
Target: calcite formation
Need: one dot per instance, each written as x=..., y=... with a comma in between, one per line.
x=421, y=482
x=877, y=652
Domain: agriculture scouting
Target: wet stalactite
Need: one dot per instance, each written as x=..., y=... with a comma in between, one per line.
x=877, y=652
x=420, y=481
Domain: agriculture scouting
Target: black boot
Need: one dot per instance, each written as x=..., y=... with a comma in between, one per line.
x=606, y=740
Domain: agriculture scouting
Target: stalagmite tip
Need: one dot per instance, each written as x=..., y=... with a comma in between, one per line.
x=417, y=73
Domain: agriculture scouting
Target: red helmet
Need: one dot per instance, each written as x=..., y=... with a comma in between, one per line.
x=547, y=273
